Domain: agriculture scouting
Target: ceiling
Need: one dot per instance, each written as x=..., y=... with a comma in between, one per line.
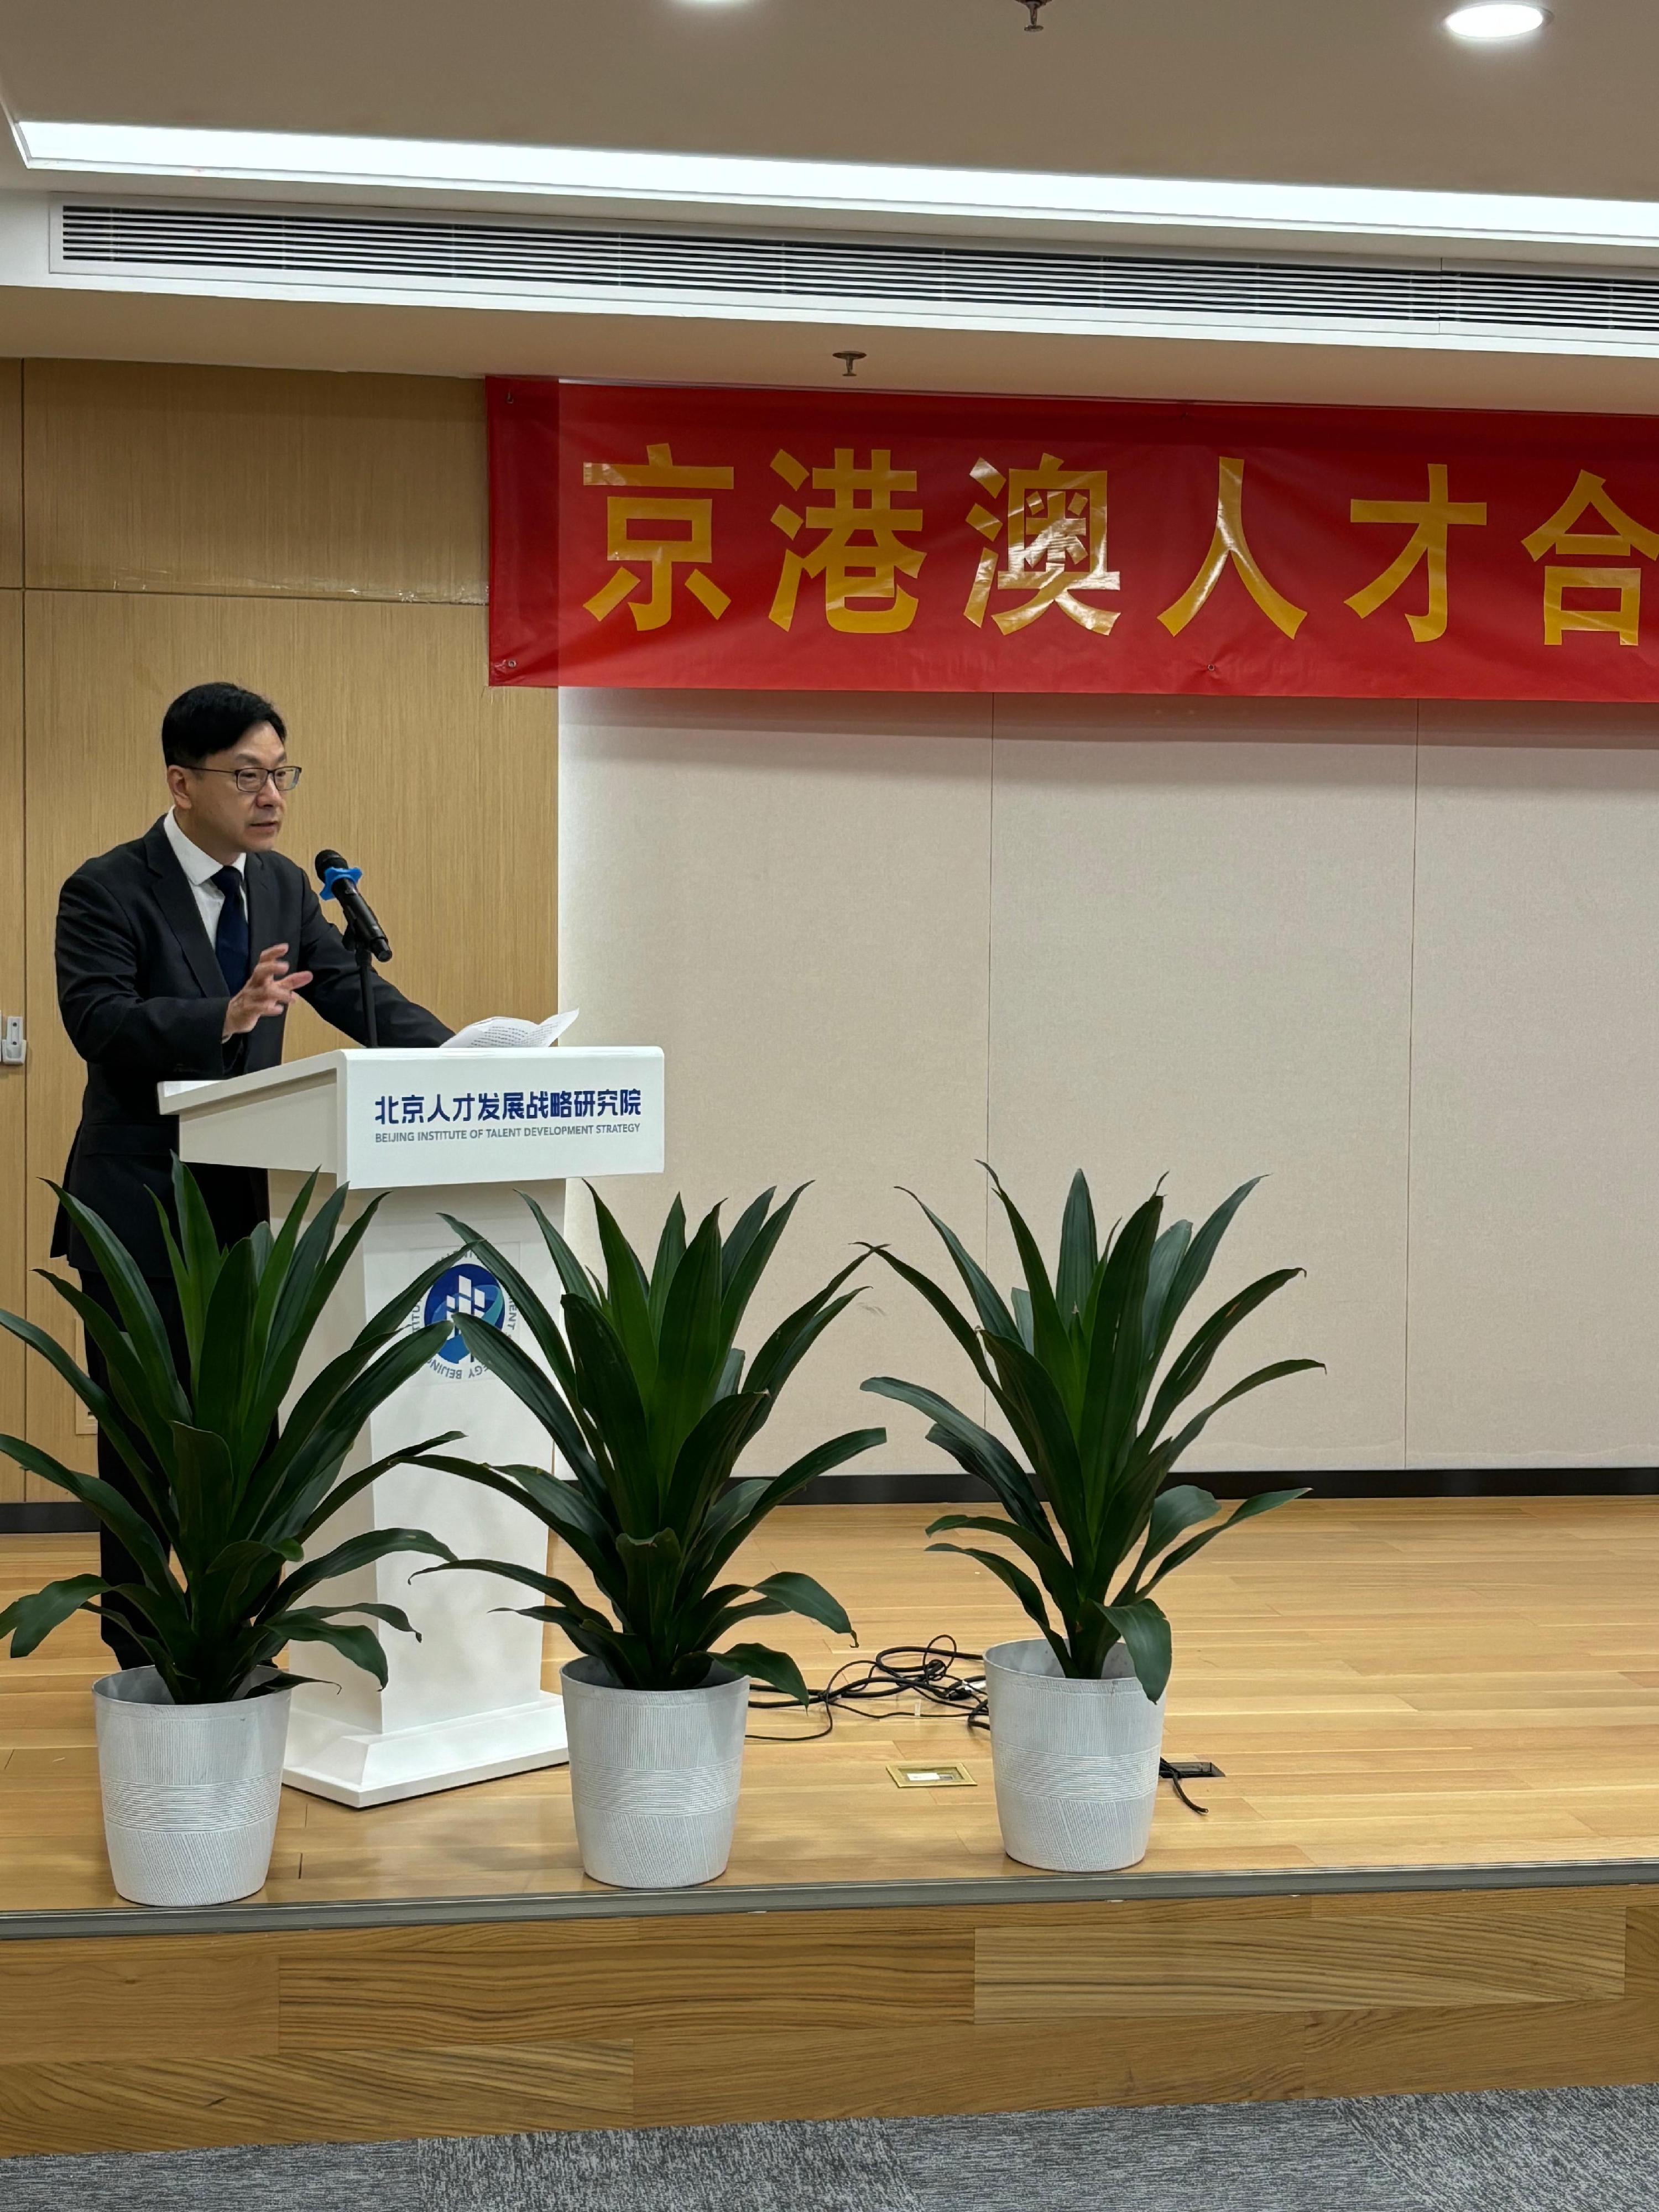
x=1361, y=92
x=1364, y=93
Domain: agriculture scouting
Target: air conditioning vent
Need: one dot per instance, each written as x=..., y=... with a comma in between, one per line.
x=312, y=246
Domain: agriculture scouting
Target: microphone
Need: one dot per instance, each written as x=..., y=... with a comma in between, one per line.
x=339, y=882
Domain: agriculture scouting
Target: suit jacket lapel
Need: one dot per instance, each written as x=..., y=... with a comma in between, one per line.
x=178, y=903
x=263, y=919
x=264, y=928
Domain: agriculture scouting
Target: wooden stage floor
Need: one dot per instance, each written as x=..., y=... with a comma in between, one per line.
x=1386, y=1683
x=1430, y=1866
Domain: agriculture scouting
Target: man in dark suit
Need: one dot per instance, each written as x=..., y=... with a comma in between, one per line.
x=178, y=956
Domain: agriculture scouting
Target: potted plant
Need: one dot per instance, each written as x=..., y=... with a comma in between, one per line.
x=190, y=1746
x=1072, y=1363
x=650, y=1404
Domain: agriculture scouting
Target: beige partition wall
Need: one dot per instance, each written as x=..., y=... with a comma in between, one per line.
x=792, y=897
x=1534, y=1234
x=1411, y=975
x=1202, y=971
x=321, y=539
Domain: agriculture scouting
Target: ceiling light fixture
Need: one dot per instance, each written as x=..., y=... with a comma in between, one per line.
x=1489, y=21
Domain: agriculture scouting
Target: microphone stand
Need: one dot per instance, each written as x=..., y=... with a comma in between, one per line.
x=360, y=933
x=366, y=978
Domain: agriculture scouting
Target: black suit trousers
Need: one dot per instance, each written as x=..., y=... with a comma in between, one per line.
x=115, y=1563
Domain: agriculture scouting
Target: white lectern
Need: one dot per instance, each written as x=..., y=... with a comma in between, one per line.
x=464, y=1133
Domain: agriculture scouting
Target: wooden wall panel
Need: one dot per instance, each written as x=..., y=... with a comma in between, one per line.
x=442, y=790
x=349, y=2035
x=13, y=1273
x=165, y=478
x=11, y=472
x=1296, y=1955
x=213, y=1998
x=696, y=1977
x=162, y=2102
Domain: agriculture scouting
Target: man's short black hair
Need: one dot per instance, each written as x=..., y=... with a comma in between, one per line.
x=213, y=718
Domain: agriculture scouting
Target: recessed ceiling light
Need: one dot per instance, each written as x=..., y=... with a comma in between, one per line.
x=1496, y=19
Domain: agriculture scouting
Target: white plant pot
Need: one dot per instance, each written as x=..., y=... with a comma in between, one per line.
x=1075, y=1764
x=190, y=1791
x=653, y=1775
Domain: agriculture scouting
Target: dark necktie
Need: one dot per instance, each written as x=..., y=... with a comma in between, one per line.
x=230, y=939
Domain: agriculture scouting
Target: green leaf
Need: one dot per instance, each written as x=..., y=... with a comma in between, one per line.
x=615, y=1417
x=942, y=1304
x=1193, y=1362
x=740, y=1236
x=671, y=1250
x=704, y=1464
x=775, y=1668
x=740, y=1279
x=987, y=1302
x=202, y=1486
x=1264, y=1501
x=796, y=1334
x=801, y=1594
x=29, y=1620
x=1274, y=1373
x=1172, y=1512
x=1080, y=1253
x=1037, y=1411
x=627, y=1290
x=1146, y=1634
x=358, y=1552
x=360, y=1645
x=530, y=1578
x=1196, y=1263
x=1029, y=1596
x=122, y=1520
x=522, y=1291
x=577, y=1283
x=99, y=1403
x=1051, y=1347
x=494, y=1349
x=140, y=1316
x=1013, y=1483
x=349, y=1486
x=747, y=1502
x=692, y=1350
x=1054, y=1568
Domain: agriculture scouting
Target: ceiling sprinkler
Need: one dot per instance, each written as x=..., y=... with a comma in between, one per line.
x=851, y=358
x=1034, y=9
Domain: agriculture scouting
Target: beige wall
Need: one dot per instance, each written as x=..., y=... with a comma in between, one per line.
x=1415, y=984
x=321, y=538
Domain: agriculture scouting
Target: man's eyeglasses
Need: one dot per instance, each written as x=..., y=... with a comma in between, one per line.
x=252, y=780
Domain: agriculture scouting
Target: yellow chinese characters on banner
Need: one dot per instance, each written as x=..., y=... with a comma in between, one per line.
x=862, y=553
x=1618, y=541
x=1432, y=520
x=1228, y=544
x=638, y=530
x=1055, y=545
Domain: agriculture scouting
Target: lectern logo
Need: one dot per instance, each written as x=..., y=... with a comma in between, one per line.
x=466, y=1293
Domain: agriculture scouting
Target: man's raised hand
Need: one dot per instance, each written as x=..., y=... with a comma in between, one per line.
x=268, y=990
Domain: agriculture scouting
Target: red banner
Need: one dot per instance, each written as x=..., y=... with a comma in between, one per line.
x=849, y=540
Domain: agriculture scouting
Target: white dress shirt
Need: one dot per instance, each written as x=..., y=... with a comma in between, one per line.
x=200, y=868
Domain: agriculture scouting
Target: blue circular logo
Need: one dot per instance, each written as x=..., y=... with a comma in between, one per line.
x=468, y=1292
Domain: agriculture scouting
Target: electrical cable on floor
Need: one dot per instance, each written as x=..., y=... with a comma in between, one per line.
x=927, y=1675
